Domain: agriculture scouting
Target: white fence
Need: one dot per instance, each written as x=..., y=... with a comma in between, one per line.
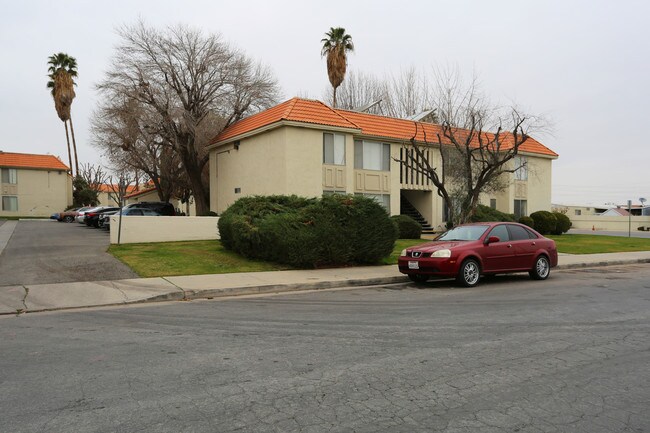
x=163, y=229
x=613, y=223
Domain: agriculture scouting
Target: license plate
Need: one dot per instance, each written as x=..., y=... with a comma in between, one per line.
x=414, y=265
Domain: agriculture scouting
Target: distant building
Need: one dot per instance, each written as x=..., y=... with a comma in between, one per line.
x=33, y=185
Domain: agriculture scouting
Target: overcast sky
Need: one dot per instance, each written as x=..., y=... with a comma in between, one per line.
x=583, y=64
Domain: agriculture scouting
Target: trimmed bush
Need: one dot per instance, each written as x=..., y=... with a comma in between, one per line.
x=407, y=227
x=545, y=221
x=563, y=223
x=527, y=221
x=486, y=214
x=301, y=232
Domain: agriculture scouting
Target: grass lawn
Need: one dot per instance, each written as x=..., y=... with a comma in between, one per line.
x=209, y=257
x=167, y=259
x=594, y=244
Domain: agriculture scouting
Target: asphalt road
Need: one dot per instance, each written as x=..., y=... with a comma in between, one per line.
x=42, y=252
x=570, y=354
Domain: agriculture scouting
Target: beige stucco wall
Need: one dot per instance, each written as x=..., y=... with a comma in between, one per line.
x=39, y=192
x=137, y=229
x=289, y=160
x=107, y=199
x=539, y=184
x=257, y=167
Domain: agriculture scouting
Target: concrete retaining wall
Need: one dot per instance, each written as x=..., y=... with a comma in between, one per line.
x=613, y=223
x=163, y=229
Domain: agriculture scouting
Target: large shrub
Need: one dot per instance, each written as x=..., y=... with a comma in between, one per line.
x=545, y=222
x=528, y=221
x=485, y=214
x=563, y=223
x=334, y=230
x=407, y=227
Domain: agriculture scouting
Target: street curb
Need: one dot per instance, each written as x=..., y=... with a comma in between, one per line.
x=601, y=264
x=191, y=294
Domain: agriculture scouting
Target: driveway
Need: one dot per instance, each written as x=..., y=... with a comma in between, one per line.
x=42, y=252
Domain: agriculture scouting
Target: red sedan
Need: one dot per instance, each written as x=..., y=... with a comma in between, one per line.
x=468, y=251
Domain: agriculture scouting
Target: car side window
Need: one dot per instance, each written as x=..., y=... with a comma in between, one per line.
x=136, y=212
x=501, y=232
x=518, y=233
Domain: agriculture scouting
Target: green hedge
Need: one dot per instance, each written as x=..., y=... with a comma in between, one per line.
x=486, y=214
x=545, y=222
x=407, y=227
x=527, y=221
x=563, y=223
x=301, y=232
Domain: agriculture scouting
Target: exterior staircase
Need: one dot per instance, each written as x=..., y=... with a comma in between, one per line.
x=406, y=208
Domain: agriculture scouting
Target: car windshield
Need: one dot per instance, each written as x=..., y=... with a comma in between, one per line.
x=463, y=233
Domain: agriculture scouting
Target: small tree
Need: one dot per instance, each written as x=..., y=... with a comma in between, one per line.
x=83, y=194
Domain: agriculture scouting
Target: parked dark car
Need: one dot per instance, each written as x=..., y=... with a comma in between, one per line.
x=468, y=251
x=105, y=219
x=91, y=217
x=161, y=207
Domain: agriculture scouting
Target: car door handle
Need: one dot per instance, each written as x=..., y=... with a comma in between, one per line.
x=509, y=245
x=533, y=244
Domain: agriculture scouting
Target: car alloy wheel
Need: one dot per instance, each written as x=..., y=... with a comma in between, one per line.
x=469, y=273
x=68, y=219
x=542, y=269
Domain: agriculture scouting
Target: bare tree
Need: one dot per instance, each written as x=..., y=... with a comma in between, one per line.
x=403, y=95
x=129, y=135
x=94, y=175
x=183, y=77
x=477, y=143
x=119, y=185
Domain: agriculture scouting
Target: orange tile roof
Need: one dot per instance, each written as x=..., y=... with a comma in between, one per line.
x=28, y=160
x=296, y=109
x=140, y=192
x=104, y=187
x=315, y=112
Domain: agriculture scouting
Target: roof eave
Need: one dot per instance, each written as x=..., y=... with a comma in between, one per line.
x=280, y=124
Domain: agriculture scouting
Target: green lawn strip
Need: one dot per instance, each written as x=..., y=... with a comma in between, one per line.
x=400, y=244
x=166, y=259
x=595, y=244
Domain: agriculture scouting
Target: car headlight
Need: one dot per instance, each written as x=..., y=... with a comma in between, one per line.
x=441, y=253
x=403, y=253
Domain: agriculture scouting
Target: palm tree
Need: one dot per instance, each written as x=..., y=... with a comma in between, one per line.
x=62, y=70
x=335, y=46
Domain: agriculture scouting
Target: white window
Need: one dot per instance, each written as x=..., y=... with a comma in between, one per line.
x=10, y=175
x=369, y=155
x=333, y=149
x=10, y=203
x=521, y=209
x=493, y=203
x=521, y=168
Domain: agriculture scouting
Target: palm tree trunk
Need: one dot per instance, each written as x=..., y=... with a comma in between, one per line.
x=67, y=137
x=74, y=146
x=334, y=101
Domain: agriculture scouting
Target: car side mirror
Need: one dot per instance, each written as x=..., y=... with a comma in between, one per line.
x=493, y=239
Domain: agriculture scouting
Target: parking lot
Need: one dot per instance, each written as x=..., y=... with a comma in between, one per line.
x=41, y=252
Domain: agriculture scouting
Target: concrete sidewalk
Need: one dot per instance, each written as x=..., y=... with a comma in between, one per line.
x=46, y=297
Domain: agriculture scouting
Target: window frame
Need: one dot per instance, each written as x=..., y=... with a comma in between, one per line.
x=6, y=176
x=517, y=211
x=521, y=168
x=334, y=146
x=15, y=201
x=360, y=151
